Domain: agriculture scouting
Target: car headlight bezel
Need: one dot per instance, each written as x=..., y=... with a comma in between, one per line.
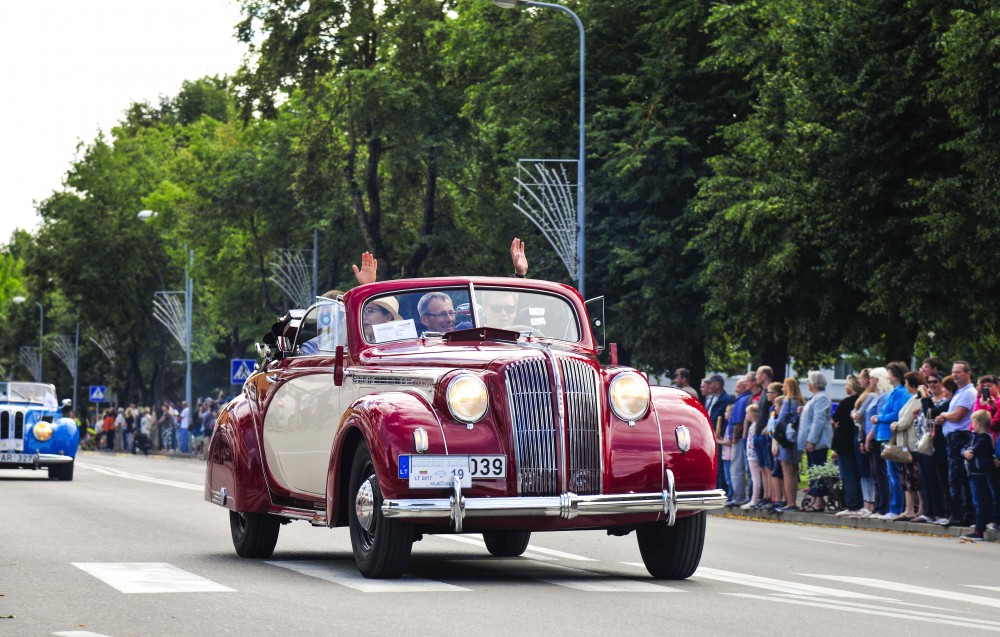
x=42, y=431
x=628, y=396
x=467, y=398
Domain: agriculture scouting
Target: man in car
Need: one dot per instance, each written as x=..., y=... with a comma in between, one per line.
x=499, y=308
x=436, y=312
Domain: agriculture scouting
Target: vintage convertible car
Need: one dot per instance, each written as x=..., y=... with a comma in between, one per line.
x=457, y=405
x=33, y=433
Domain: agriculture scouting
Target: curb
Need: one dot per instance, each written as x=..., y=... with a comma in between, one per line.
x=827, y=519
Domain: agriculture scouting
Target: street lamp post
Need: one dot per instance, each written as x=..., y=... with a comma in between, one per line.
x=510, y=4
x=41, y=330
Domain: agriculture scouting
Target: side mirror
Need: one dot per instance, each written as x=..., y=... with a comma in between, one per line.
x=595, y=311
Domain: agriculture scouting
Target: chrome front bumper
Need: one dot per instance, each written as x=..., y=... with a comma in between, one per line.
x=567, y=506
x=36, y=460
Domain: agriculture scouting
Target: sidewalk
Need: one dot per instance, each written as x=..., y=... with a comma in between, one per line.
x=828, y=519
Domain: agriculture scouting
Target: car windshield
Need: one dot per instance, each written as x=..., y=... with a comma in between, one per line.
x=408, y=315
x=37, y=393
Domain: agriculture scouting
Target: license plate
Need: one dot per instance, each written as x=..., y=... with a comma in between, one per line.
x=438, y=472
x=16, y=457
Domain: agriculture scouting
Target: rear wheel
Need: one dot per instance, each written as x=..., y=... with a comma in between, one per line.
x=381, y=546
x=673, y=552
x=61, y=471
x=506, y=543
x=254, y=534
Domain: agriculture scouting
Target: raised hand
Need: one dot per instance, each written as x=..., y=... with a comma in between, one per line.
x=517, y=256
x=369, y=269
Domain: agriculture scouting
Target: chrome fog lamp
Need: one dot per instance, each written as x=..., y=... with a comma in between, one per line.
x=629, y=394
x=42, y=431
x=467, y=398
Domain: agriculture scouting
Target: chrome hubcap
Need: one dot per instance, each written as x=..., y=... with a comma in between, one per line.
x=364, y=504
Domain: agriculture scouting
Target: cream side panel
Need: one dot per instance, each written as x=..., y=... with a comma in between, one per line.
x=299, y=429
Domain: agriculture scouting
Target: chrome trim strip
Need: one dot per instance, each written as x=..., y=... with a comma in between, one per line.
x=561, y=415
x=388, y=379
x=566, y=506
x=43, y=459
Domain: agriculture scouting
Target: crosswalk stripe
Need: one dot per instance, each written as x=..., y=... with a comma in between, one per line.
x=348, y=575
x=773, y=585
x=568, y=577
x=857, y=608
x=910, y=588
x=476, y=541
x=150, y=577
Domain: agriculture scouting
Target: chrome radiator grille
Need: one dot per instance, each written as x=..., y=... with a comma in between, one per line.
x=536, y=430
x=580, y=388
x=11, y=424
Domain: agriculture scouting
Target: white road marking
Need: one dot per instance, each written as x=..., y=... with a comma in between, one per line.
x=933, y=618
x=477, y=541
x=910, y=588
x=812, y=539
x=987, y=588
x=773, y=585
x=150, y=577
x=349, y=576
x=565, y=556
x=568, y=577
x=78, y=633
x=118, y=473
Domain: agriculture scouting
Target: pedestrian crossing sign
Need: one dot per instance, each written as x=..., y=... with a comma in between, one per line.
x=240, y=370
x=98, y=393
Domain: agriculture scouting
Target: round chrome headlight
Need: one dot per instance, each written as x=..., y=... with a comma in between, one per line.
x=42, y=431
x=629, y=395
x=467, y=398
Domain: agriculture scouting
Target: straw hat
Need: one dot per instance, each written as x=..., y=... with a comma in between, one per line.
x=390, y=305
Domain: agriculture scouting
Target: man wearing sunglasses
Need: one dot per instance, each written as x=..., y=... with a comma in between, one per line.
x=499, y=308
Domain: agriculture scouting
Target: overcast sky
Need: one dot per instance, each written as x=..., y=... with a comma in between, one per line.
x=69, y=68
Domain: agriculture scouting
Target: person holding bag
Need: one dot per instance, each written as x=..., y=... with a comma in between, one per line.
x=889, y=414
x=789, y=456
x=905, y=436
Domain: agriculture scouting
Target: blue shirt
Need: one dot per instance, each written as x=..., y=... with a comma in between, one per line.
x=739, y=413
x=890, y=412
x=873, y=408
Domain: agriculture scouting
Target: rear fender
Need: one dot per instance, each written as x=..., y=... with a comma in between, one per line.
x=386, y=422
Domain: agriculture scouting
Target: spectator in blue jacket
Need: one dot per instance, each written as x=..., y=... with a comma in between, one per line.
x=883, y=421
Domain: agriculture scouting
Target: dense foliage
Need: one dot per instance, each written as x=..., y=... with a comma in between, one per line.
x=766, y=178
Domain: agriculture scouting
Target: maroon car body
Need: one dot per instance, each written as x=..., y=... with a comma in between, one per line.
x=396, y=431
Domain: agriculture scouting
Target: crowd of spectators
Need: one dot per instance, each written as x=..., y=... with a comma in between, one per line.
x=142, y=429
x=918, y=446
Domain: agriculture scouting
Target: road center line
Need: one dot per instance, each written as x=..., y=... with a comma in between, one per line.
x=117, y=473
x=812, y=539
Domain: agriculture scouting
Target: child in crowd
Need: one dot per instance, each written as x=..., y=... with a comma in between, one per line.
x=979, y=456
x=756, y=472
x=726, y=442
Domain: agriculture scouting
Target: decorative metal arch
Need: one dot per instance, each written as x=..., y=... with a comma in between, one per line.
x=30, y=358
x=168, y=309
x=64, y=348
x=291, y=270
x=106, y=344
x=545, y=196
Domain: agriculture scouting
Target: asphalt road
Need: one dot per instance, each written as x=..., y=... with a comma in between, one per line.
x=131, y=548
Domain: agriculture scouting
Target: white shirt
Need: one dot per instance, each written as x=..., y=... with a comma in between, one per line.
x=185, y=418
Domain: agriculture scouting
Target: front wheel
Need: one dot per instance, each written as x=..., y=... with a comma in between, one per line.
x=506, y=543
x=381, y=546
x=673, y=552
x=254, y=534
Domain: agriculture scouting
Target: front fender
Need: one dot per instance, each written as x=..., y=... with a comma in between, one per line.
x=694, y=469
x=386, y=422
x=234, y=461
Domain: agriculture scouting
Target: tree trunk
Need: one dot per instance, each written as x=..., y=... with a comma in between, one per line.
x=427, y=229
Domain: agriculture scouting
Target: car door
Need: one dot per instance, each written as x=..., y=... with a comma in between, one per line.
x=303, y=414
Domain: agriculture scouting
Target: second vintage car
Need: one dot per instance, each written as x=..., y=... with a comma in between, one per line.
x=459, y=405
x=33, y=432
